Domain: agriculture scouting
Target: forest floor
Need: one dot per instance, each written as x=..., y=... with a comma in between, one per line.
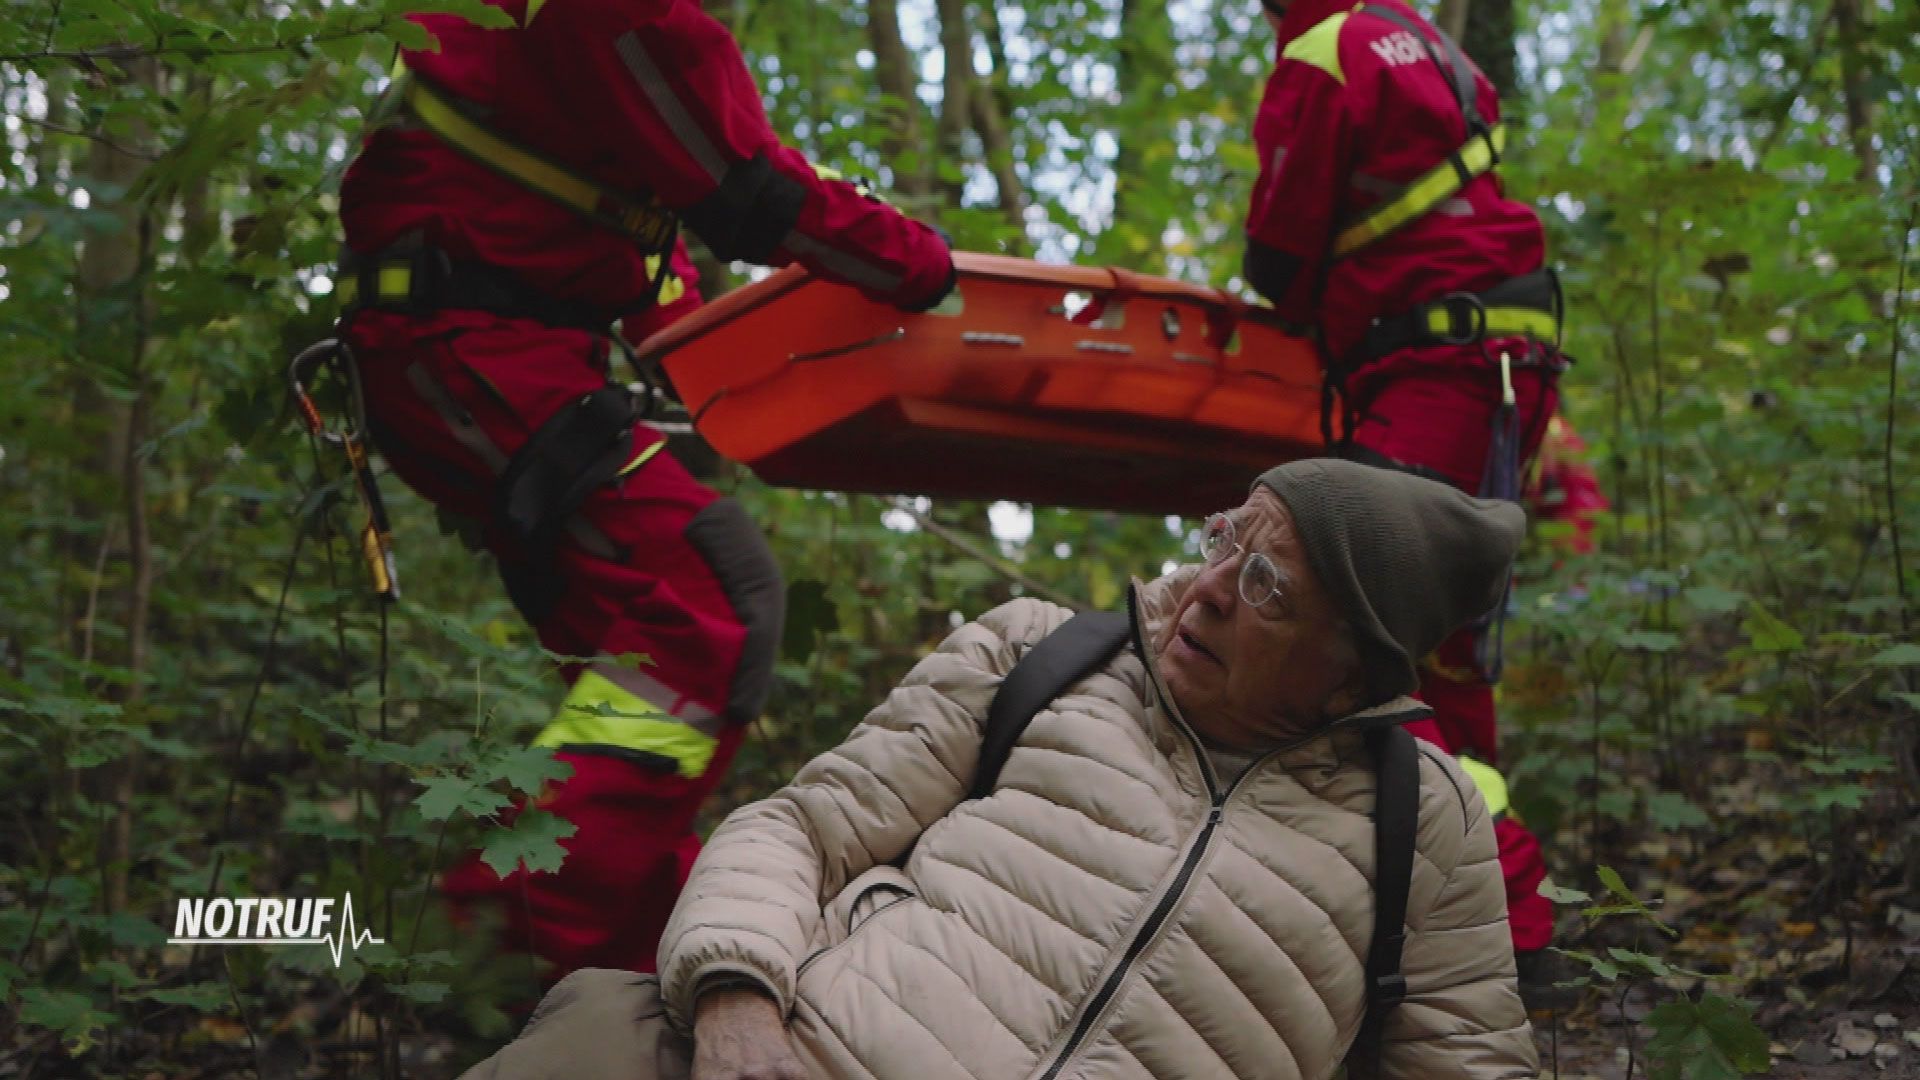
x=1837, y=994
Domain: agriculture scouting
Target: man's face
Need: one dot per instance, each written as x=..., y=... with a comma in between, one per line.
x=1252, y=677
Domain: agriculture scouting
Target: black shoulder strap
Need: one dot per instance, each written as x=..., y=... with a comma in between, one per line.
x=1059, y=660
x=1454, y=68
x=1396, y=817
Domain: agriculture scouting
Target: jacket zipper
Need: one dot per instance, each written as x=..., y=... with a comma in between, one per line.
x=1098, y=1003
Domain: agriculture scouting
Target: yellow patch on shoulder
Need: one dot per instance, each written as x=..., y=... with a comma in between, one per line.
x=1320, y=47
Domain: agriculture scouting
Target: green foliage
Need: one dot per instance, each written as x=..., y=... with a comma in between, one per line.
x=532, y=842
x=1713, y=1038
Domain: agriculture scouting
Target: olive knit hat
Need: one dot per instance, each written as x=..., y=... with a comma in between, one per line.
x=1405, y=559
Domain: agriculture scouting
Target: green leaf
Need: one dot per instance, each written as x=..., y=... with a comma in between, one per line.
x=1714, y=1038
x=1897, y=656
x=424, y=993
x=528, y=768
x=1713, y=600
x=446, y=796
x=483, y=15
x=1562, y=896
x=70, y=1015
x=1843, y=796
x=1615, y=884
x=408, y=34
x=1768, y=634
x=204, y=997
x=1671, y=810
x=1648, y=640
x=532, y=842
x=1610, y=878
x=1652, y=965
x=1606, y=970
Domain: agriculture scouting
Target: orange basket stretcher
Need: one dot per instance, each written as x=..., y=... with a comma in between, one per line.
x=1057, y=385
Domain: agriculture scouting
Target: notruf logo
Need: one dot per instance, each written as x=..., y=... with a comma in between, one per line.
x=253, y=920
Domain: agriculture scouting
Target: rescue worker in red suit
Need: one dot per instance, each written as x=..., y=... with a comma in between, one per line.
x=521, y=189
x=1564, y=487
x=1378, y=225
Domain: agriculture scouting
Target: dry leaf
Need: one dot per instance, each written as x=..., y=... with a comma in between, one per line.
x=1854, y=1040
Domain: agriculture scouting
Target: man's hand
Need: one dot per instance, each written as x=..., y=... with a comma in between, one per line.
x=738, y=1034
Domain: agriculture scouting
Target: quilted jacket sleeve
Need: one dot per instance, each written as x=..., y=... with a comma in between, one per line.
x=752, y=906
x=1462, y=1016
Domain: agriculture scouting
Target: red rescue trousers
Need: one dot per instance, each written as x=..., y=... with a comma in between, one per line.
x=1440, y=420
x=675, y=574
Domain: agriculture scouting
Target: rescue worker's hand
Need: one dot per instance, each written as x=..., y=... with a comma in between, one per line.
x=739, y=1034
x=928, y=303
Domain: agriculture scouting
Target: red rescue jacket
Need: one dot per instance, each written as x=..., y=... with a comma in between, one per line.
x=645, y=96
x=1354, y=110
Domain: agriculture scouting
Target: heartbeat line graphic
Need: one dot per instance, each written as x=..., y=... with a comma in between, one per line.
x=195, y=925
x=349, y=936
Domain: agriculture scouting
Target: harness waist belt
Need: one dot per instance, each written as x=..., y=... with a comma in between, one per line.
x=415, y=279
x=1526, y=306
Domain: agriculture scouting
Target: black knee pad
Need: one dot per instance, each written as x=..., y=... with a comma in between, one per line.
x=733, y=546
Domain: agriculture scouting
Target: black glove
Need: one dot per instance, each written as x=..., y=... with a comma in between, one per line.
x=939, y=295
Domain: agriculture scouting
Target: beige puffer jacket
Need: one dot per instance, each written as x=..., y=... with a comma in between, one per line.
x=1103, y=913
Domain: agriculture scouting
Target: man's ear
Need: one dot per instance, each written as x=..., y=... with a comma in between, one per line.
x=1351, y=696
x=1347, y=700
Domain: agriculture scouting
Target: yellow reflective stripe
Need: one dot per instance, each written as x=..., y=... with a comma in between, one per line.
x=394, y=282
x=1493, y=786
x=1505, y=321
x=1501, y=322
x=440, y=117
x=645, y=455
x=1320, y=47
x=597, y=712
x=1432, y=189
x=533, y=8
x=671, y=289
x=649, y=225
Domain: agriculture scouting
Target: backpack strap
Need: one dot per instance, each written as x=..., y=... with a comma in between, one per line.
x=1396, y=817
x=1059, y=660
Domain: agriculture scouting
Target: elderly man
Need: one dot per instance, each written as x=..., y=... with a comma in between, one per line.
x=1173, y=875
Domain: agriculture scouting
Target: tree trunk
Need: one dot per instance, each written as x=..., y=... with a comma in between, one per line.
x=893, y=69
x=1853, y=87
x=1451, y=17
x=998, y=145
x=1489, y=40
x=112, y=317
x=956, y=44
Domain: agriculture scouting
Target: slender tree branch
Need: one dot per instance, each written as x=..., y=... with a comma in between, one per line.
x=973, y=549
x=1893, y=411
x=117, y=148
x=53, y=24
x=90, y=58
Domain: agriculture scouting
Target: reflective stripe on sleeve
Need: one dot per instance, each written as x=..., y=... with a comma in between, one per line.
x=844, y=265
x=1493, y=786
x=1438, y=185
x=653, y=83
x=619, y=707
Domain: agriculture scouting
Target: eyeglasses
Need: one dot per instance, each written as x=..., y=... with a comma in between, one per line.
x=1259, y=578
